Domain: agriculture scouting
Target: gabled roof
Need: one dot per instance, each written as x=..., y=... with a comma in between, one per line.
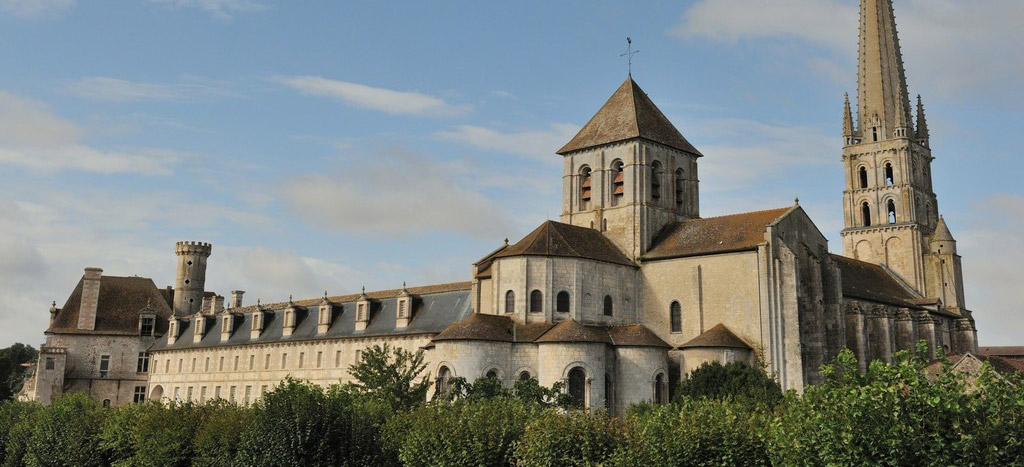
x=558, y=239
x=869, y=281
x=117, y=310
x=635, y=335
x=479, y=326
x=718, y=336
x=496, y=328
x=628, y=114
x=571, y=330
x=736, y=232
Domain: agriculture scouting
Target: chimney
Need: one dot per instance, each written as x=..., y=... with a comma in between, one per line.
x=236, y=298
x=218, y=304
x=90, y=298
x=206, y=306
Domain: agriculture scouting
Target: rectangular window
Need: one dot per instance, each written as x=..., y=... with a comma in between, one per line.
x=337, y=358
x=220, y=366
x=319, y=359
x=202, y=394
x=248, y=395
x=188, y=395
x=146, y=329
x=167, y=366
x=263, y=390
x=193, y=364
x=266, y=362
x=302, y=358
x=143, y=365
x=179, y=364
x=284, y=361
x=104, y=365
x=359, y=355
x=50, y=364
x=252, y=362
x=231, y=394
x=236, y=362
x=216, y=392
x=206, y=365
x=140, y=395
x=177, y=393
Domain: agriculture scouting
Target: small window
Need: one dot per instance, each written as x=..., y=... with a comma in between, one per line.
x=337, y=359
x=578, y=387
x=680, y=187
x=492, y=374
x=676, y=317
x=524, y=376
x=585, y=187
x=562, y=302
x=510, y=302
x=443, y=377
x=889, y=179
x=284, y=361
x=50, y=363
x=618, y=184
x=655, y=181
x=235, y=367
x=216, y=392
x=143, y=364
x=659, y=391
x=106, y=402
x=194, y=364
x=863, y=177
x=220, y=365
x=104, y=365
x=231, y=393
x=401, y=308
x=146, y=328
x=248, y=395
x=206, y=365
x=891, y=211
x=608, y=305
x=202, y=394
x=865, y=214
x=302, y=359
x=252, y=362
x=266, y=362
x=536, y=301
x=140, y=395
x=188, y=394
x=319, y=359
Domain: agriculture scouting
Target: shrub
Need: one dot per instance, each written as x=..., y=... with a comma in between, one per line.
x=732, y=380
x=217, y=439
x=556, y=438
x=16, y=421
x=695, y=432
x=66, y=433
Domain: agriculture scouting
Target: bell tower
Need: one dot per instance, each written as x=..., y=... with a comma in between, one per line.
x=629, y=172
x=891, y=214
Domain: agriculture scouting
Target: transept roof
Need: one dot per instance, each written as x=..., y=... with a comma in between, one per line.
x=557, y=239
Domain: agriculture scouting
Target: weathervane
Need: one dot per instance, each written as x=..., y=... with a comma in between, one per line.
x=629, y=54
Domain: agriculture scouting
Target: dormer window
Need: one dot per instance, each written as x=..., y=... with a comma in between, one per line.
x=146, y=326
x=361, y=312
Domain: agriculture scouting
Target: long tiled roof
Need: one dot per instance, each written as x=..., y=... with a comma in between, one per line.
x=736, y=232
x=868, y=281
x=117, y=311
x=557, y=239
x=434, y=309
x=497, y=328
x=1004, y=351
x=628, y=114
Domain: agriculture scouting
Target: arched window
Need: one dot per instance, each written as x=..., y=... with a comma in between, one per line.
x=608, y=391
x=680, y=184
x=510, y=302
x=618, y=184
x=491, y=374
x=890, y=209
x=659, y=391
x=578, y=387
x=585, y=187
x=536, y=301
x=865, y=214
x=863, y=177
x=608, y=305
x=655, y=181
x=444, y=376
x=889, y=179
x=106, y=402
x=524, y=376
x=562, y=302
x=676, y=317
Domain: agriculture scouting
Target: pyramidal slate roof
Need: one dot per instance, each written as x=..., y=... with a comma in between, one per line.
x=735, y=232
x=558, y=239
x=718, y=336
x=628, y=114
x=117, y=311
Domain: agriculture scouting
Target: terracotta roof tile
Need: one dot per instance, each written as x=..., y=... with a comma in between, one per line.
x=868, y=281
x=635, y=335
x=628, y=114
x=557, y=239
x=571, y=330
x=1002, y=351
x=117, y=311
x=734, y=232
x=718, y=336
x=498, y=328
x=479, y=326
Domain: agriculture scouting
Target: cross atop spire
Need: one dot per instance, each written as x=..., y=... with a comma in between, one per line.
x=629, y=54
x=883, y=104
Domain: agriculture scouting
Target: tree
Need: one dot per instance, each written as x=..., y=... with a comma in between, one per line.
x=391, y=374
x=729, y=381
x=12, y=373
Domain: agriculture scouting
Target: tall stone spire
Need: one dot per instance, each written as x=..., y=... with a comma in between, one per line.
x=883, y=102
x=847, y=120
x=922, y=123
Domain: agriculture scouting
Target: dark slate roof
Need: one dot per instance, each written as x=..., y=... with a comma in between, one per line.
x=558, y=239
x=377, y=295
x=571, y=330
x=1004, y=351
x=869, y=281
x=736, y=232
x=635, y=335
x=628, y=114
x=432, y=313
x=718, y=336
x=117, y=311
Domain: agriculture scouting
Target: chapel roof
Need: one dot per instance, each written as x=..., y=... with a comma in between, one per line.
x=571, y=330
x=1003, y=366
x=117, y=310
x=628, y=114
x=503, y=329
x=735, y=232
x=557, y=239
x=720, y=337
x=872, y=282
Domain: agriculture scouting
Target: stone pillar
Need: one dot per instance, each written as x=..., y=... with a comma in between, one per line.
x=966, y=336
x=880, y=335
x=926, y=331
x=856, y=335
x=904, y=330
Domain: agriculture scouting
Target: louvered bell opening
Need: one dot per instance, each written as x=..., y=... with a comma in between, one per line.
x=619, y=178
x=679, y=196
x=586, y=183
x=619, y=190
x=586, y=194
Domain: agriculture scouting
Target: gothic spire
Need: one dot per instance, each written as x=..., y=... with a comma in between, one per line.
x=847, y=119
x=883, y=102
x=922, y=123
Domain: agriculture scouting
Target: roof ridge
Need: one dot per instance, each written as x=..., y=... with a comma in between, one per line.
x=636, y=110
x=760, y=211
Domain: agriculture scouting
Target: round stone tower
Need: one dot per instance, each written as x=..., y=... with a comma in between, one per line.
x=190, y=283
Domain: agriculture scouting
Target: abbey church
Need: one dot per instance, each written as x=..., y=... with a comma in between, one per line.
x=628, y=292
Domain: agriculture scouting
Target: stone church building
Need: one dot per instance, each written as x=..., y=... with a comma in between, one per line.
x=628, y=292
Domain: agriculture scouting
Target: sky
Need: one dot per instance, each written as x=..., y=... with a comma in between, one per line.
x=325, y=145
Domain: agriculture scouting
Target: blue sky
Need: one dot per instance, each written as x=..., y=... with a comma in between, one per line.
x=328, y=145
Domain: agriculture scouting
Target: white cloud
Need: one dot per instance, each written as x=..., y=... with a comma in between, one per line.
x=368, y=97
x=101, y=88
x=35, y=8
x=223, y=9
x=951, y=47
x=536, y=144
x=396, y=194
x=32, y=137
